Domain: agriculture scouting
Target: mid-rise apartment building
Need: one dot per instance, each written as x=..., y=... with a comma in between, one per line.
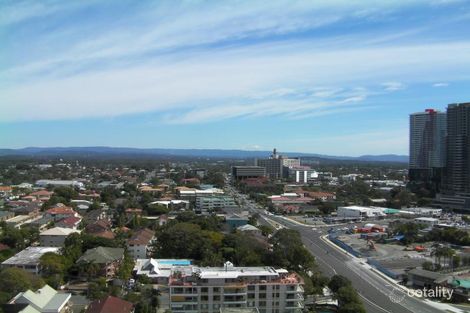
x=139, y=246
x=208, y=204
x=208, y=289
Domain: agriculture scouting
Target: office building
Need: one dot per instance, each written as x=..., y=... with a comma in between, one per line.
x=427, y=146
x=208, y=289
x=291, y=162
x=302, y=174
x=209, y=204
x=244, y=172
x=277, y=166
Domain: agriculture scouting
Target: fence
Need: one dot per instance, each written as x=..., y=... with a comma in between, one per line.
x=382, y=268
x=334, y=238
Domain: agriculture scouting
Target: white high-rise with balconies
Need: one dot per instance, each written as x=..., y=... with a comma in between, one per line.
x=207, y=289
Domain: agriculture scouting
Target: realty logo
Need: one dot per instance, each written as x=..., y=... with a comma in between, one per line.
x=438, y=292
x=397, y=295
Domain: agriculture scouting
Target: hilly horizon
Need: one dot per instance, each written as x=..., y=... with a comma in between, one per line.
x=212, y=153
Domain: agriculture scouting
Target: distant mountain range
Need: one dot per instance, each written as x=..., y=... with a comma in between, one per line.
x=208, y=153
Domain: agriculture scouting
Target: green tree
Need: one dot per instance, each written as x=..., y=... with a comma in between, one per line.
x=289, y=251
x=427, y=265
x=183, y=240
x=125, y=269
x=14, y=280
x=97, y=289
x=338, y=281
x=54, y=267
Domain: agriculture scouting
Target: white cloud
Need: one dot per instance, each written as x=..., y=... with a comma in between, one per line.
x=440, y=84
x=166, y=62
x=226, y=78
x=393, y=86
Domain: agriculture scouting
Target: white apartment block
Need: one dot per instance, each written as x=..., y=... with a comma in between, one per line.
x=207, y=204
x=139, y=245
x=208, y=289
x=55, y=237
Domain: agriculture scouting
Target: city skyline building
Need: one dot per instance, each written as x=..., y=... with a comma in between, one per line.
x=457, y=175
x=277, y=164
x=427, y=147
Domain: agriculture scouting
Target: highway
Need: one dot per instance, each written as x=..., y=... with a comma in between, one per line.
x=374, y=290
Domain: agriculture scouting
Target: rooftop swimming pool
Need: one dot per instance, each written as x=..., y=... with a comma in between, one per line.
x=175, y=262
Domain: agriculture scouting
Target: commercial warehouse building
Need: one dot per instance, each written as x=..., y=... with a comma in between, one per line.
x=360, y=212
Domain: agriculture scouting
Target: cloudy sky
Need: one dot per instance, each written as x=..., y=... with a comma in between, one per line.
x=323, y=76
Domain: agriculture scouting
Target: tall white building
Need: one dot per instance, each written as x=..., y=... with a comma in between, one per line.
x=208, y=289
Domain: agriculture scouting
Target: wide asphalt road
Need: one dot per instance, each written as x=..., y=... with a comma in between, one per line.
x=374, y=290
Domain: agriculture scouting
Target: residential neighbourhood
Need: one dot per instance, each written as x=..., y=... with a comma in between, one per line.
x=235, y=156
x=159, y=238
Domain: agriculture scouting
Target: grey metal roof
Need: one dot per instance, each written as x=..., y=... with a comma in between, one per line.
x=101, y=255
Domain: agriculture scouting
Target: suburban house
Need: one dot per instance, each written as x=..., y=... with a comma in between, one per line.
x=110, y=304
x=44, y=300
x=101, y=228
x=6, y=215
x=29, y=258
x=60, y=212
x=107, y=259
x=138, y=245
x=69, y=222
x=249, y=229
x=41, y=195
x=55, y=237
x=5, y=191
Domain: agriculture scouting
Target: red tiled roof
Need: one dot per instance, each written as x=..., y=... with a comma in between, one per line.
x=302, y=199
x=70, y=221
x=133, y=210
x=320, y=194
x=3, y=247
x=98, y=227
x=61, y=210
x=105, y=234
x=141, y=237
x=5, y=188
x=110, y=304
x=41, y=193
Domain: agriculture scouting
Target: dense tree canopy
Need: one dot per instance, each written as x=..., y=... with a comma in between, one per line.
x=14, y=280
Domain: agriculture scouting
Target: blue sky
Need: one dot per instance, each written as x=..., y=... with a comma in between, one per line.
x=324, y=76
